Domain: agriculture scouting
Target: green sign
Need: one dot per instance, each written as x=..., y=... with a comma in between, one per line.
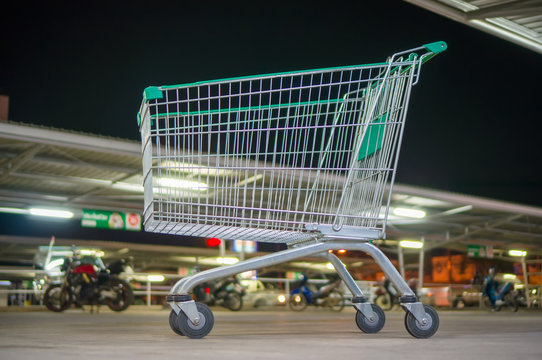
x=482, y=251
x=116, y=220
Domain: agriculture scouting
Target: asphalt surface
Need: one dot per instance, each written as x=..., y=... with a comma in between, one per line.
x=139, y=333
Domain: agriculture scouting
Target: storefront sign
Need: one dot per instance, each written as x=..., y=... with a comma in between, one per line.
x=480, y=251
x=116, y=220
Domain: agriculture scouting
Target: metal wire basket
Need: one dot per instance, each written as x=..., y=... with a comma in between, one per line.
x=281, y=157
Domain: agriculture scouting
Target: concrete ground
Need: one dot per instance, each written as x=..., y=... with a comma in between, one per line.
x=140, y=333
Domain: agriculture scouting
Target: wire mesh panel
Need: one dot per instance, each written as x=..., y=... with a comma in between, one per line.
x=266, y=158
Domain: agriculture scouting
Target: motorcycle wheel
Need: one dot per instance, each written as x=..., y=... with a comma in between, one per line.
x=384, y=301
x=511, y=303
x=124, y=298
x=233, y=301
x=297, y=302
x=335, y=301
x=57, y=298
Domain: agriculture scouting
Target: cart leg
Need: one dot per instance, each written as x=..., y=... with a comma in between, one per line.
x=359, y=300
x=179, y=298
x=408, y=300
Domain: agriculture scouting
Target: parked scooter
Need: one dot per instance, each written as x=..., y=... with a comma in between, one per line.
x=227, y=292
x=496, y=294
x=87, y=281
x=328, y=296
x=387, y=295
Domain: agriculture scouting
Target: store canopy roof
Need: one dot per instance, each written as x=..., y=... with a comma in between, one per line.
x=518, y=21
x=57, y=168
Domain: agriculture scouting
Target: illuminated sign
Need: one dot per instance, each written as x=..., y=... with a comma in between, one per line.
x=115, y=220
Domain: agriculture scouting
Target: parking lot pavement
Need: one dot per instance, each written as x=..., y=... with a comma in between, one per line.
x=277, y=334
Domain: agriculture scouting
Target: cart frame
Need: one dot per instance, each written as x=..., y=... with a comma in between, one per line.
x=345, y=229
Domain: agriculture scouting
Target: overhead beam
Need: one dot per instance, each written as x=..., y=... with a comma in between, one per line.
x=19, y=160
x=475, y=201
x=9, y=130
x=516, y=8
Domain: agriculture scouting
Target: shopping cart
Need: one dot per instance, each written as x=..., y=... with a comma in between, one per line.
x=301, y=158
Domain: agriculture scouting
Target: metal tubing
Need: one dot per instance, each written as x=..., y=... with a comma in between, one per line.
x=185, y=285
x=345, y=275
x=420, y=267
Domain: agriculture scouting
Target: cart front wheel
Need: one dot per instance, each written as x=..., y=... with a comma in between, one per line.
x=173, y=321
x=374, y=325
x=188, y=329
x=419, y=330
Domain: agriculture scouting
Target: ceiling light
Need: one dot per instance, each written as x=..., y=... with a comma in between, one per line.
x=227, y=260
x=64, y=214
x=411, y=244
x=519, y=253
x=155, y=278
x=411, y=213
x=53, y=264
x=13, y=210
x=182, y=184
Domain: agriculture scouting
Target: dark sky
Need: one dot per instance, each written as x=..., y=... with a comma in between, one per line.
x=474, y=122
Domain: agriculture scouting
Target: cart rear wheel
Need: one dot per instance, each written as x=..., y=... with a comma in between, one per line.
x=297, y=302
x=374, y=325
x=187, y=328
x=419, y=330
x=173, y=321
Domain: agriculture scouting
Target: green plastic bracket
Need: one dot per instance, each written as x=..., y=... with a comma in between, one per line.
x=436, y=47
x=138, y=119
x=152, y=93
x=372, y=141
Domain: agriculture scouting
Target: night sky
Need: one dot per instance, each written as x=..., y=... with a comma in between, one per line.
x=474, y=124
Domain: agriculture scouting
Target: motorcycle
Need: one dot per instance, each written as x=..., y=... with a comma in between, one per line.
x=87, y=281
x=227, y=292
x=497, y=295
x=328, y=296
x=386, y=294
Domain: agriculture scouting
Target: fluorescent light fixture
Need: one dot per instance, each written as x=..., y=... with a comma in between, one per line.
x=249, y=180
x=90, y=252
x=203, y=170
x=411, y=213
x=156, y=278
x=519, y=253
x=411, y=244
x=13, y=210
x=509, y=276
x=127, y=187
x=227, y=260
x=330, y=266
x=183, y=184
x=64, y=214
x=53, y=264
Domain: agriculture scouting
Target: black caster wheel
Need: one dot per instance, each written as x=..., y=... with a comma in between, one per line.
x=173, y=320
x=371, y=326
x=186, y=328
x=419, y=330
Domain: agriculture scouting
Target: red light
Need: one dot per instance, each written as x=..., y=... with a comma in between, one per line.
x=207, y=290
x=212, y=242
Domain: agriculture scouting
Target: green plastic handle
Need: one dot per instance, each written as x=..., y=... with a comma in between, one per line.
x=436, y=47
